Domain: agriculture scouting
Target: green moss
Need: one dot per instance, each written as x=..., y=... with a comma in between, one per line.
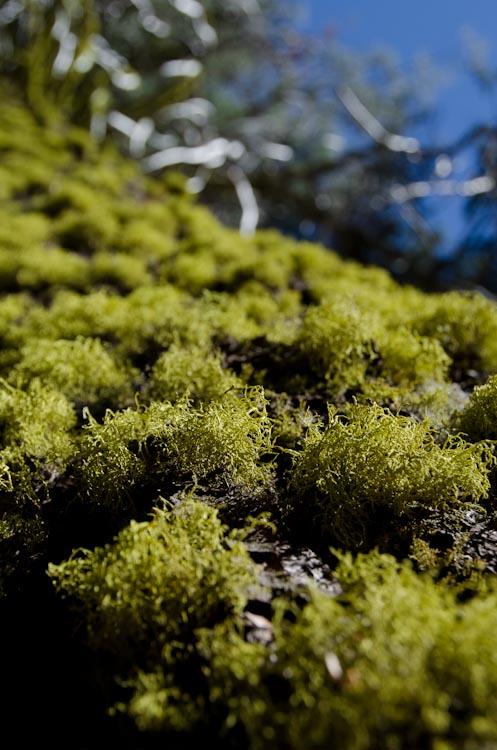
x=117, y=269
x=220, y=443
x=466, y=326
x=148, y=352
x=373, y=459
x=83, y=370
x=190, y=371
x=37, y=421
x=395, y=661
x=337, y=341
x=157, y=582
x=411, y=360
x=479, y=417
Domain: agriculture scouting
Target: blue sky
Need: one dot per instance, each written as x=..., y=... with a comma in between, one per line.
x=435, y=27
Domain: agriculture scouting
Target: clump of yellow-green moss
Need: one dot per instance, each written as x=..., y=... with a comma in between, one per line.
x=146, y=352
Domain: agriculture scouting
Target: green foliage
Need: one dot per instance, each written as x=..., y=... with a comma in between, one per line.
x=337, y=340
x=83, y=370
x=395, y=661
x=221, y=442
x=37, y=422
x=409, y=359
x=372, y=458
x=190, y=371
x=466, y=326
x=146, y=352
x=157, y=582
x=479, y=417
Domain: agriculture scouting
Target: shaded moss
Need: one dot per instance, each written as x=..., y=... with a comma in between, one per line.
x=159, y=580
x=395, y=661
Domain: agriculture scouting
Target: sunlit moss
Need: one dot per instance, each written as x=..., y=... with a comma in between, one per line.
x=479, y=417
x=220, y=443
x=466, y=326
x=190, y=371
x=373, y=458
x=147, y=352
x=410, y=359
x=158, y=581
x=337, y=341
x=83, y=370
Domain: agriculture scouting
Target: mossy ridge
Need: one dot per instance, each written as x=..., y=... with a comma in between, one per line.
x=255, y=372
x=394, y=662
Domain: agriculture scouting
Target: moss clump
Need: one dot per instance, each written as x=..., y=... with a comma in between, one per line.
x=166, y=444
x=479, y=417
x=82, y=369
x=411, y=360
x=466, y=326
x=149, y=594
x=193, y=372
x=372, y=459
x=337, y=341
x=37, y=421
x=395, y=661
x=159, y=580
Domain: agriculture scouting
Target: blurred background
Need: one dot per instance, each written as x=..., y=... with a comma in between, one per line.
x=368, y=127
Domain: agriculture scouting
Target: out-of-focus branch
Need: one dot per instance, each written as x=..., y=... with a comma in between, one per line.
x=373, y=127
x=425, y=188
x=212, y=154
x=247, y=199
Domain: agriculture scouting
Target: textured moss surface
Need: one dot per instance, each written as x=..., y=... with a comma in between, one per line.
x=187, y=417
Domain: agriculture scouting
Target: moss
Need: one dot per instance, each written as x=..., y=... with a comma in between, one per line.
x=372, y=459
x=395, y=662
x=148, y=352
x=38, y=421
x=190, y=371
x=337, y=341
x=83, y=370
x=411, y=360
x=466, y=326
x=22, y=541
x=220, y=443
x=149, y=593
x=119, y=270
x=478, y=420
